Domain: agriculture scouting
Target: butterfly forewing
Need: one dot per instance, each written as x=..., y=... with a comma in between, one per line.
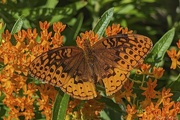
x=52, y=66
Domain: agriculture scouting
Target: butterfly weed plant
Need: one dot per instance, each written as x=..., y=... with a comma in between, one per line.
x=24, y=97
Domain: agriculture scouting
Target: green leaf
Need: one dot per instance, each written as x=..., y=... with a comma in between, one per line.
x=104, y=115
x=43, y=13
x=60, y=106
x=2, y=28
x=104, y=22
x=160, y=48
x=17, y=26
x=125, y=9
x=73, y=32
x=51, y=3
x=111, y=104
x=62, y=12
x=3, y=110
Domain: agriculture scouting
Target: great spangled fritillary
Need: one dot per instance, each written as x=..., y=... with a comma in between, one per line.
x=76, y=71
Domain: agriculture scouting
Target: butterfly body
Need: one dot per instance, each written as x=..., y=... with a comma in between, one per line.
x=76, y=70
x=89, y=59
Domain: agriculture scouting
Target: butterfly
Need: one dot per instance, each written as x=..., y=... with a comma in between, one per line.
x=77, y=70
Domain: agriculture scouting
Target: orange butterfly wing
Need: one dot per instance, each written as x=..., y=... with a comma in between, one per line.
x=64, y=67
x=119, y=55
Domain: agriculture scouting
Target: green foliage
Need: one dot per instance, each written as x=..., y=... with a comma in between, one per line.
x=159, y=49
x=103, y=22
x=149, y=17
x=60, y=106
x=17, y=26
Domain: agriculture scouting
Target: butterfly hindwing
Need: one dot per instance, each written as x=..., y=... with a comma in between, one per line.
x=83, y=90
x=114, y=82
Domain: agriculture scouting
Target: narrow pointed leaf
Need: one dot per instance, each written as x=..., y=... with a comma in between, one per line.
x=103, y=22
x=160, y=48
x=17, y=26
x=60, y=107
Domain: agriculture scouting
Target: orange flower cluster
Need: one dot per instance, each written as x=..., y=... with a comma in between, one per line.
x=20, y=94
x=91, y=36
x=175, y=56
x=117, y=29
x=91, y=110
x=72, y=111
x=144, y=69
x=163, y=109
x=87, y=110
x=155, y=105
x=125, y=93
x=45, y=102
